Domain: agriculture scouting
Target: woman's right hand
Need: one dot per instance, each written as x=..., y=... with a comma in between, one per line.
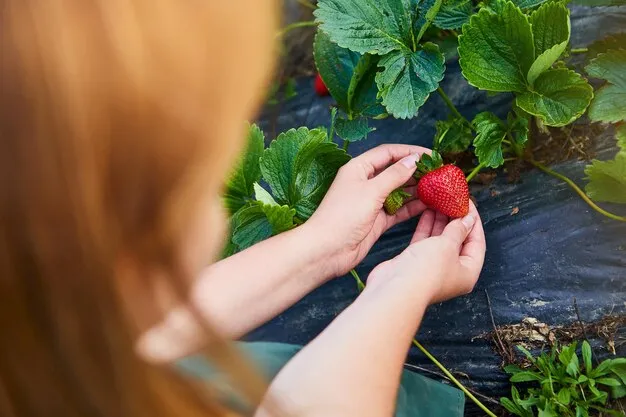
x=444, y=258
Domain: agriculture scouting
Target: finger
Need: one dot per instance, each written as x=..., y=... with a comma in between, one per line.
x=410, y=189
x=475, y=244
x=424, y=226
x=409, y=210
x=379, y=158
x=441, y=221
x=395, y=176
x=458, y=230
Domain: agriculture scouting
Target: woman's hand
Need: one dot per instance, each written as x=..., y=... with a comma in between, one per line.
x=351, y=217
x=444, y=259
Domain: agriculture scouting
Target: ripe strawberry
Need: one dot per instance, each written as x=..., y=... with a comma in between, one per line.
x=442, y=188
x=320, y=87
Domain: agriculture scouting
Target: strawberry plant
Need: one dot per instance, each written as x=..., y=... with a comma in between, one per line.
x=376, y=60
x=558, y=383
x=298, y=166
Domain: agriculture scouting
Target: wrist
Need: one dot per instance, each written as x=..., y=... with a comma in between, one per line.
x=417, y=284
x=317, y=255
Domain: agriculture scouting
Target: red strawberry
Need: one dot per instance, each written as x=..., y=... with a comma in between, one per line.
x=442, y=188
x=320, y=87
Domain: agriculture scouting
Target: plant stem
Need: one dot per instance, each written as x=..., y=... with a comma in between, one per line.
x=295, y=25
x=580, y=192
x=307, y=4
x=452, y=107
x=345, y=145
x=579, y=50
x=359, y=283
x=452, y=378
x=443, y=369
x=475, y=171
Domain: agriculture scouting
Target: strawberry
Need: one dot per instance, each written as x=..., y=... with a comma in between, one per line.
x=395, y=200
x=442, y=187
x=320, y=87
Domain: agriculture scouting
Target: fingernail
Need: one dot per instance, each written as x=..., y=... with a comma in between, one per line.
x=468, y=221
x=409, y=161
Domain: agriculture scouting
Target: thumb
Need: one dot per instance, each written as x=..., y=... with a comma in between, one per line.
x=458, y=230
x=395, y=176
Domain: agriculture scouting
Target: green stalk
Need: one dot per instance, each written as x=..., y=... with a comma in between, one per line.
x=579, y=50
x=453, y=379
x=296, y=25
x=578, y=190
x=345, y=145
x=443, y=369
x=452, y=107
x=475, y=171
x=307, y=4
x=359, y=283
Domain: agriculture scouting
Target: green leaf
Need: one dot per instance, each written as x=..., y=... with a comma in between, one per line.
x=428, y=163
x=453, y=14
x=261, y=194
x=511, y=407
x=587, y=356
x=573, y=367
x=518, y=127
x=336, y=67
x=581, y=412
x=613, y=41
x=607, y=180
x=257, y=221
x=512, y=369
x=247, y=171
x=559, y=96
x=618, y=392
x=363, y=97
x=525, y=376
x=609, y=382
x=408, y=78
x=490, y=132
x=607, y=105
x=525, y=351
x=618, y=367
x=453, y=135
x=528, y=4
x=551, y=33
x=375, y=27
x=564, y=396
x=352, y=130
x=620, y=135
x=428, y=11
x=496, y=50
x=548, y=411
x=299, y=166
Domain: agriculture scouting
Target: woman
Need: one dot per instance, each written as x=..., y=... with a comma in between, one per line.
x=119, y=121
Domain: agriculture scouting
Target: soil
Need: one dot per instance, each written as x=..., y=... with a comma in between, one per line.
x=551, y=145
x=533, y=334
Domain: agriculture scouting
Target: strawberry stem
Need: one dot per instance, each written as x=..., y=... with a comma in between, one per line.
x=578, y=190
x=434, y=360
x=296, y=25
x=452, y=378
x=359, y=283
x=475, y=171
x=453, y=108
x=345, y=145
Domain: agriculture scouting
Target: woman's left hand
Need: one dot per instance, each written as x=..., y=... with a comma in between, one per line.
x=351, y=217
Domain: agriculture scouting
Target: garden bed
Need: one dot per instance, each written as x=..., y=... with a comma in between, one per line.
x=545, y=246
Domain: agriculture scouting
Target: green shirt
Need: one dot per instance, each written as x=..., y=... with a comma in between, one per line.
x=418, y=396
